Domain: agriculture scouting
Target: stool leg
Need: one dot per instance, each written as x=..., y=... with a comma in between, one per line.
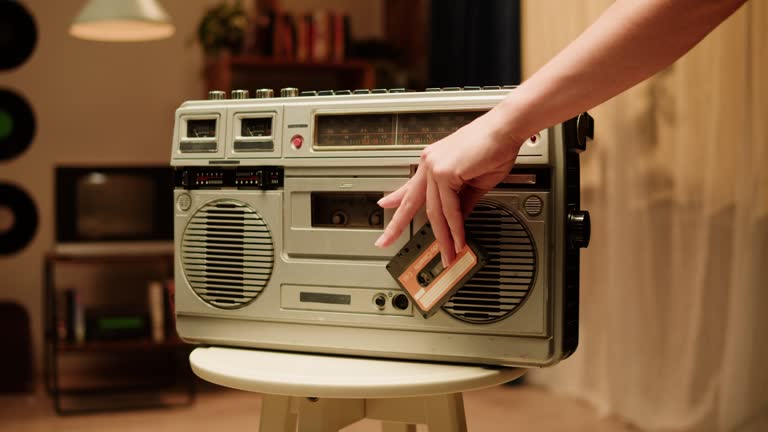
x=329, y=415
x=397, y=427
x=276, y=414
x=445, y=413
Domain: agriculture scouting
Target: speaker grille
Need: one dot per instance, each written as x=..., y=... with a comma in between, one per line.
x=227, y=253
x=503, y=284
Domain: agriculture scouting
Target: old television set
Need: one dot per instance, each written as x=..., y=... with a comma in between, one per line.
x=113, y=209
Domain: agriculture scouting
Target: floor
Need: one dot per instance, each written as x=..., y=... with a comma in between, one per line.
x=502, y=408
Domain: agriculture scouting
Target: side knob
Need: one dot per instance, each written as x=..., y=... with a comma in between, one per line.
x=289, y=92
x=579, y=228
x=217, y=95
x=240, y=94
x=264, y=93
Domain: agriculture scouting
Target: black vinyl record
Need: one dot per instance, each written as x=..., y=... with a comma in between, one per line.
x=23, y=219
x=18, y=34
x=17, y=124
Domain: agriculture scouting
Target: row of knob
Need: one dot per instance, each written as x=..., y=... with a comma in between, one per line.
x=293, y=92
x=262, y=93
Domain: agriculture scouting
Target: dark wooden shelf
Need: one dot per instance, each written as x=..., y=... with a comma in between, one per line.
x=358, y=65
x=130, y=345
x=249, y=72
x=169, y=355
x=107, y=258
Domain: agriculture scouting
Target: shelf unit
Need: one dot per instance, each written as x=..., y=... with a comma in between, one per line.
x=226, y=72
x=169, y=374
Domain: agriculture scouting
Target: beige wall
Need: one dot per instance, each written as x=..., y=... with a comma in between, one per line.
x=107, y=103
x=94, y=103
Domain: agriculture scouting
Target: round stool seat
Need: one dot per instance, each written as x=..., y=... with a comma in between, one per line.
x=325, y=376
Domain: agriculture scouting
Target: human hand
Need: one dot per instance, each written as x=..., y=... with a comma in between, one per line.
x=453, y=175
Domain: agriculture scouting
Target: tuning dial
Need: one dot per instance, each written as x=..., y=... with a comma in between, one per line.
x=579, y=228
x=289, y=92
x=239, y=94
x=264, y=93
x=217, y=95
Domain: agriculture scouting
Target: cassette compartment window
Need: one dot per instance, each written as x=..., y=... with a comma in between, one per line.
x=200, y=134
x=347, y=210
x=255, y=132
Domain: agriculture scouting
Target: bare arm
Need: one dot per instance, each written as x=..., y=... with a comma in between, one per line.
x=632, y=40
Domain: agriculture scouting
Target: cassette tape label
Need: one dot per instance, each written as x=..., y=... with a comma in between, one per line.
x=446, y=280
x=418, y=269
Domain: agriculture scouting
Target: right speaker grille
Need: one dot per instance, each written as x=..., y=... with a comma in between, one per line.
x=503, y=284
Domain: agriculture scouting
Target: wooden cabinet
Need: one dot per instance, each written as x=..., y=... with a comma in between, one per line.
x=88, y=369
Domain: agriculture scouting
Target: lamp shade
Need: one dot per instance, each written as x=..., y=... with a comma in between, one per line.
x=122, y=21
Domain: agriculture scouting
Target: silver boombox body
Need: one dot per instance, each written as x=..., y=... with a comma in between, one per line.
x=276, y=218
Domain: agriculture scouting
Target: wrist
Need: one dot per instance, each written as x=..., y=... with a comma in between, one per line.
x=507, y=122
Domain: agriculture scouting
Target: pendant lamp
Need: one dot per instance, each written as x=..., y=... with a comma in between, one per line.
x=122, y=21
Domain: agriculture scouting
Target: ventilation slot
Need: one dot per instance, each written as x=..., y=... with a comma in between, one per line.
x=227, y=253
x=504, y=282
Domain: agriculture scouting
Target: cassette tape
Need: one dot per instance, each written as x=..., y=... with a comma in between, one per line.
x=419, y=271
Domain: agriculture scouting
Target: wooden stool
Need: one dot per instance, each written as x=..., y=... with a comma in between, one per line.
x=324, y=393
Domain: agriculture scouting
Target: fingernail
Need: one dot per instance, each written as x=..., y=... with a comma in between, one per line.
x=379, y=242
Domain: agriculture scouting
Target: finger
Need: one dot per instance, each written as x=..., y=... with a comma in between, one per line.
x=395, y=198
x=412, y=201
x=469, y=197
x=452, y=213
x=439, y=224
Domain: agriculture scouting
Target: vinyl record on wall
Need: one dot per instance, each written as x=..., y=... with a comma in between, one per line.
x=18, y=219
x=17, y=124
x=18, y=34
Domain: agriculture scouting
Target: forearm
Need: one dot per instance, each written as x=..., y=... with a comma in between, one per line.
x=632, y=40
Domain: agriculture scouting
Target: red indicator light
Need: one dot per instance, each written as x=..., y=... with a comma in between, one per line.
x=297, y=141
x=533, y=139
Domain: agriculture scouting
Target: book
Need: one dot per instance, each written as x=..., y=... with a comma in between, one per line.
x=157, y=310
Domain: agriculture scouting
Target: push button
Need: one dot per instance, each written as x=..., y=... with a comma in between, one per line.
x=297, y=141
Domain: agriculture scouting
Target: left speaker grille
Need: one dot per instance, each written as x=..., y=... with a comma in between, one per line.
x=227, y=253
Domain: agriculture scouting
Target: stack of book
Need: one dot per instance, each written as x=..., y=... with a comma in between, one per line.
x=154, y=321
x=317, y=36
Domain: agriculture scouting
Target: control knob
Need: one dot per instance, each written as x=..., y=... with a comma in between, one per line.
x=579, y=228
x=239, y=94
x=289, y=92
x=264, y=93
x=217, y=95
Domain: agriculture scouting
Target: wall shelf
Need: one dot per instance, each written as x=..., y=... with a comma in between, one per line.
x=228, y=73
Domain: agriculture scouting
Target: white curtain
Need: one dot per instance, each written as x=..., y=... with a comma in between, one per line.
x=674, y=299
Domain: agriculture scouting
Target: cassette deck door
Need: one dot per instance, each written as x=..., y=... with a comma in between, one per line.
x=331, y=218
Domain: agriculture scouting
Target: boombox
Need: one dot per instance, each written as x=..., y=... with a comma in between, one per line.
x=276, y=218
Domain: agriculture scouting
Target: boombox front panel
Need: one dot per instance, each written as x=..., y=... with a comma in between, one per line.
x=285, y=259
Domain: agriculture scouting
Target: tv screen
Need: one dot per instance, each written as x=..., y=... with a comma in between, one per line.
x=115, y=206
